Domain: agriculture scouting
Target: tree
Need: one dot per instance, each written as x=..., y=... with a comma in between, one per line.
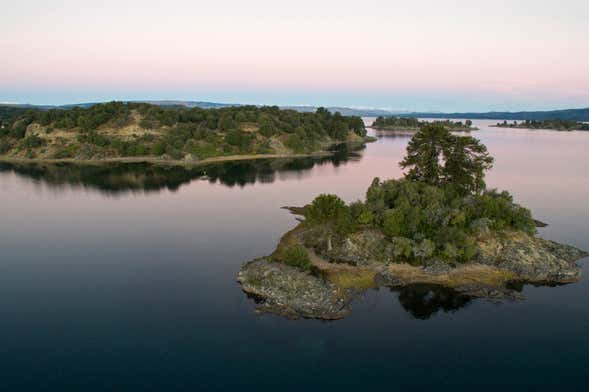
x=332, y=212
x=423, y=154
x=466, y=161
x=436, y=157
x=325, y=208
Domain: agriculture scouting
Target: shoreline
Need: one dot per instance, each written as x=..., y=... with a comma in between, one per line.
x=189, y=162
x=340, y=272
x=170, y=162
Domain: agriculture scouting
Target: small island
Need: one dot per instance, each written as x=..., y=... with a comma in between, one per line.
x=139, y=132
x=438, y=226
x=555, y=125
x=412, y=124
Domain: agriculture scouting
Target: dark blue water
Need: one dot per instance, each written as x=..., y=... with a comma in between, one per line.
x=124, y=279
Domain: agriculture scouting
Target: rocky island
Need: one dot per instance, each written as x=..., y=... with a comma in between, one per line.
x=412, y=124
x=438, y=226
x=142, y=132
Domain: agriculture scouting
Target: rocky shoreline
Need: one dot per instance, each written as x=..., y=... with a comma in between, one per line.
x=504, y=262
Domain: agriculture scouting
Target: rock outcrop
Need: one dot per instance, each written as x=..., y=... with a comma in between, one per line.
x=532, y=259
x=345, y=267
x=287, y=291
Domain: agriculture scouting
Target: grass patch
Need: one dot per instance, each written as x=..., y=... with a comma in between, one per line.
x=460, y=276
x=357, y=278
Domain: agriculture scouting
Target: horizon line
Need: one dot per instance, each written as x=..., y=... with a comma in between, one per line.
x=429, y=111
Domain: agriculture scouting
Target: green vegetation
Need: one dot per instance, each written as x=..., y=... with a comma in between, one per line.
x=330, y=210
x=412, y=123
x=438, y=211
x=437, y=157
x=399, y=122
x=118, y=129
x=555, y=124
x=297, y=256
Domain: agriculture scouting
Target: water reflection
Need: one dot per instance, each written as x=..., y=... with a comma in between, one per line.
x=380, y=134
x=117, y=178
x=423, y=301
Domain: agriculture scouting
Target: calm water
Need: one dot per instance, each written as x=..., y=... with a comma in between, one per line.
x=124, y=279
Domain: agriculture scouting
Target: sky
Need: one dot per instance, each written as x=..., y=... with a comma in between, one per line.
x=402, y=55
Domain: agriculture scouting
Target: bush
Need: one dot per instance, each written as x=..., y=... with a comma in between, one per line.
x=19, y=128
x=361, y=214
x=66, y=152
x=158, y=149
x=95, y=138
x=4, y=147
x=32, y=141
x=297, y=256
x=330, y=210
x=173, y=152
x=295, y=143
x=325, y=208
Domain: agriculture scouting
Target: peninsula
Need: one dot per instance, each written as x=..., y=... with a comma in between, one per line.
x=438, y=225
x=132, y=132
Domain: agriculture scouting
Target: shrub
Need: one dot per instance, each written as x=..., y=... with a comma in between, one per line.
x=4, y=146
x=332, y=211
x=361, y=214
x=295, y=143
x=158, y=149
x=19, y=128
x=325, y=208
x=297, y=256
x=66, y=152
x=32, y=141
x=173, y=152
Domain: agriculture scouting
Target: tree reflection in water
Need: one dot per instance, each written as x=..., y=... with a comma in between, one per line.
x=118, y=178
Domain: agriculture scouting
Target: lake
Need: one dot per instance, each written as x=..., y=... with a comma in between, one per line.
x=123, y=278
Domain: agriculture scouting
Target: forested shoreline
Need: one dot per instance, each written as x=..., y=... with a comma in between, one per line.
x=414, y=124
x=117, y=130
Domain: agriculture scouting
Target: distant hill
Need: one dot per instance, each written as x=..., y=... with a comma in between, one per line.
x=565, y=114
x=365, y=112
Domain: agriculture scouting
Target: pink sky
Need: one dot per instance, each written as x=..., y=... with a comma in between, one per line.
x=418, y=55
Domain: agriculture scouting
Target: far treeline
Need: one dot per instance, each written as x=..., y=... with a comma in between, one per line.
x=413, y=124
x=119, y=129
x=563, y=114
x=558, y=125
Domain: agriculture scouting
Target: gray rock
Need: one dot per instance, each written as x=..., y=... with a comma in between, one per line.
x=360, y=249
x=532, y=259
x=436, y=267
x=290, y=292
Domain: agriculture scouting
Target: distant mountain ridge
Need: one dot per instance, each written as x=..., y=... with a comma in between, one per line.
x=564, y=114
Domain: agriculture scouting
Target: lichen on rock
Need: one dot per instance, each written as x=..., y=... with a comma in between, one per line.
x=292, y=293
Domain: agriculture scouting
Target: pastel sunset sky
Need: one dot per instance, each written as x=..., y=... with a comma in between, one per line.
x=448, y=55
